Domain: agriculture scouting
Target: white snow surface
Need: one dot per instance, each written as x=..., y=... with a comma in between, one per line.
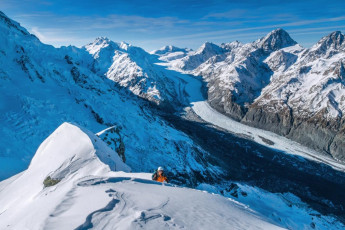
x=97, y=191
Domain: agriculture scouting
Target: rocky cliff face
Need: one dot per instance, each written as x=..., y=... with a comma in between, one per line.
x=305, y=101
x=275, y=84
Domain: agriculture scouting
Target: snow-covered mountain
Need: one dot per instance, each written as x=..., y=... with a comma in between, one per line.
x=307, y=94
x=133, y=68
x=170, y=53
x=275, y=84
x=106, y=85
x=194, y=59
x=42, y=86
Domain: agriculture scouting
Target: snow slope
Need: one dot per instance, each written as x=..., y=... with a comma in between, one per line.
x=42, y=86
x=91, y=194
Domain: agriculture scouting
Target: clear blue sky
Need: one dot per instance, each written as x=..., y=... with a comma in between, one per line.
x=184, y=23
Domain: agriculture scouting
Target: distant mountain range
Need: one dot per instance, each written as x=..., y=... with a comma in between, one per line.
x=272, y=83
x=275, y=84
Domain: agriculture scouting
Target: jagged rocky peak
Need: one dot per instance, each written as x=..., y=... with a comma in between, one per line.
x=231, y=45
x=101, y=39
x=334, y=40
x=209, y=47
x=327, y=46
x=125, y=46
x=275, y=40
x=102, y=42
x=103, y=46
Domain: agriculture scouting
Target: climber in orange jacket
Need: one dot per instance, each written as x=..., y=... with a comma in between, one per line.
x=159, y=175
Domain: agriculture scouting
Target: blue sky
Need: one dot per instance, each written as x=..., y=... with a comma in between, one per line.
x=152, y=24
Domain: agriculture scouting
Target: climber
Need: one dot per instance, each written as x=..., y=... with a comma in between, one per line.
x=159, y=175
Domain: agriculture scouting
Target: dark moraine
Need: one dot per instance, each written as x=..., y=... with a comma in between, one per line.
x=243, y=160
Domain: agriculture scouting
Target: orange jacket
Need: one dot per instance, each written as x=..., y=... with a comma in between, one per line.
x=159, y=178
x=162, y=178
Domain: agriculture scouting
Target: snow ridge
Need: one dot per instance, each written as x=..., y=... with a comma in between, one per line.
x=82, y=162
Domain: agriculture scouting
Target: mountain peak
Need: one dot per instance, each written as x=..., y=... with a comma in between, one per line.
x=125, y=45
x=9, y=23
x=101, y=38
x=208, y=44
x=334, y=39
x=169, y=49
x=99, y=44
x=275, y=40
x=231, y=45
x=209, y=47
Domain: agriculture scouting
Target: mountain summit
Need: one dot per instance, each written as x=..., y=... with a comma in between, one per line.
x=209, y=48
x=169, y=49
x=275, y=40
x=334, y=41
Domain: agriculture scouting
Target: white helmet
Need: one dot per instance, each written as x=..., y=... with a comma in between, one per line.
x=160, y=169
